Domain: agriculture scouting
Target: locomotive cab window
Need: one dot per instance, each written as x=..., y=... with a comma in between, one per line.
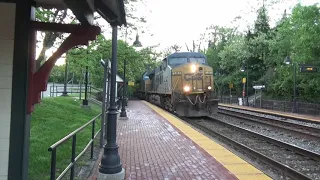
x=164, y=64
x=198, y=59
x=178, y=61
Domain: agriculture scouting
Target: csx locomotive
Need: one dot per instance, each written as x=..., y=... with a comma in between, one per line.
x=183, y=83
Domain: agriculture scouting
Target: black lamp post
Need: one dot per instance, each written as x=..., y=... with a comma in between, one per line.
x=110, y=165
x=137, y=43
x=108, y=85
x=245, y=68
x=65, y=93
x=103, y=113
x=85, y=101
x=288, y=61
x=123, y=114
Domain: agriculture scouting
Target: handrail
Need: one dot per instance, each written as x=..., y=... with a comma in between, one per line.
x=74, y=158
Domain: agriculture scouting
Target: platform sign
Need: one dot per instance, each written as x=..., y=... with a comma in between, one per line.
x=259, y=87
x=244, y=80
x=130, y=83
x=308, y=69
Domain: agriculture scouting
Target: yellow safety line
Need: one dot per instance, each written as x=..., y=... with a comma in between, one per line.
x=239, y=167
x=271, y=112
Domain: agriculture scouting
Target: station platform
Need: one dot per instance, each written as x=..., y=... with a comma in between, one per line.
x=153, y=144
x=276, y=113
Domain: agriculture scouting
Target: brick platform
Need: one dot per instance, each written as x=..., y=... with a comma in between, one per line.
x=151, y=148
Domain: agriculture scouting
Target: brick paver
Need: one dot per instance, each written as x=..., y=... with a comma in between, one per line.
x=151, y=148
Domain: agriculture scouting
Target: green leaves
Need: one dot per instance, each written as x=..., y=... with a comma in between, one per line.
x=101, y=49
x=296, y=35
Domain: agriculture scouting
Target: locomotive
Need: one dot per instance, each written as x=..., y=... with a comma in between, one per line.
x=183, y=84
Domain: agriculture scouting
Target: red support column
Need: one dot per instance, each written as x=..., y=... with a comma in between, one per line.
x=80, y=35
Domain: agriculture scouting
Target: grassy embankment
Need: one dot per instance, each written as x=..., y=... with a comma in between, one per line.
x=53, y=119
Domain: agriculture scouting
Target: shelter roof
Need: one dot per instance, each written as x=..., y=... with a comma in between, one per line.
x=111, y=10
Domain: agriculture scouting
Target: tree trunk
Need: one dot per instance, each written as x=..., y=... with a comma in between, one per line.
x=49, y=39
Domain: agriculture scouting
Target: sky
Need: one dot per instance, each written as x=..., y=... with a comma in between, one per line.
x=182, y=21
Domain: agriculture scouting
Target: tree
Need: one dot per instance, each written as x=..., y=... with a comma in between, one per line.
x=172, y=49
x=49, y=38
x=57, y=74
x=261, y=24
x=101, y=49
x=296, y=36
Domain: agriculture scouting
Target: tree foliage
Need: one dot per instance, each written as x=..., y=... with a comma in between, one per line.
x=53, y=39
x=171, y=49
x=262, y=49
x=136, y=61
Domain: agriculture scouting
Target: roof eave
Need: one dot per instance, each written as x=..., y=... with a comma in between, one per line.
x=111, y=10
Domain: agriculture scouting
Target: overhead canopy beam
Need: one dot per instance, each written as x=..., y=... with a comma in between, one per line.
x=57, y=27
x=112, y=11
x=82, y=9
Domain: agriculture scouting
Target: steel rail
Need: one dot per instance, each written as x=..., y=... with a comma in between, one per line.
x=277, y=114
x=274, y=163
x=308, y=130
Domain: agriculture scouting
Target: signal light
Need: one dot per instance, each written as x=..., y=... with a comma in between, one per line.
x=308, y=69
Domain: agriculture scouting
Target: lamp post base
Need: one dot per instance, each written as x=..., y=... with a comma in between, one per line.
x=64, y=94
x=117, y=176
x=123, y=115
x=123, y=118
x=85, y=102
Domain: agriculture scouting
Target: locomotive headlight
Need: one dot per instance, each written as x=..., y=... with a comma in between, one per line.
x=186, y=88
x=209, y=87
x=193, y=68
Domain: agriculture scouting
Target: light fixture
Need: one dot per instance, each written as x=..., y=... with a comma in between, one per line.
x=209, y=87
x=193, y=68
x=137, y=43
x=186, y=88
x=287, y=60
x=242, y=68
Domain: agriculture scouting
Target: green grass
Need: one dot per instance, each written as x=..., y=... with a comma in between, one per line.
x=52, y=120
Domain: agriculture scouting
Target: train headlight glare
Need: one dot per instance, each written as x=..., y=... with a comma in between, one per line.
x=193, y=68
x=209, y=87
x=186, y=88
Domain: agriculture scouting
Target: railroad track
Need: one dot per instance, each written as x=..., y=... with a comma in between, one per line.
x=283, y=123
x=288, y=159
x=291, y=160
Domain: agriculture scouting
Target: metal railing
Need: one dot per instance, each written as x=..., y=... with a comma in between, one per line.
x=287, y=106
x=58, y=90
x=284, y=106
x=74, y=158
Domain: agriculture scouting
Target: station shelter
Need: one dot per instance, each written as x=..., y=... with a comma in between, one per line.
x=21, y=83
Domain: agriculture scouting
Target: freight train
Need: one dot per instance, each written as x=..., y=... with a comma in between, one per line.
x=183, y=84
